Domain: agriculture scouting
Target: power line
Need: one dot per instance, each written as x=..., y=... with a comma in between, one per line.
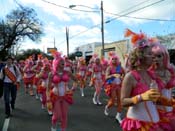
x=134, y=11
x=138, y=18
x=131, y=7
x=117, y=18
x=67, y=7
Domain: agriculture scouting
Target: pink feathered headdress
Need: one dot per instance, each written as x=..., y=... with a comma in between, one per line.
x=57, y=57
x=112, y=55
x=138, y=40
x=104, y=61
x=45, y=62
x=94, y=57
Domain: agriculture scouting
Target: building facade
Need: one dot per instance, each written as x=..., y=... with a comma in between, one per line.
x=121, y=48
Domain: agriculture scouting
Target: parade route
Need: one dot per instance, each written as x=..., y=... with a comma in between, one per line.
x=83, y=115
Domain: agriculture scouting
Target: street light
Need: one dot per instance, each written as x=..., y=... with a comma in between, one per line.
x=102, y=22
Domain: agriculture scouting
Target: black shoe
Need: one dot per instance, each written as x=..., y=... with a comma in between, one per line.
x=7, y=116
x=12, y=106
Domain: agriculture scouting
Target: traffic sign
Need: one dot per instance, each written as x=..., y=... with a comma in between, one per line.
x=78, y=53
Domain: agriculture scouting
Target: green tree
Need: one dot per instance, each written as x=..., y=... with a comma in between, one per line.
x=32, y=52
x=20, y=24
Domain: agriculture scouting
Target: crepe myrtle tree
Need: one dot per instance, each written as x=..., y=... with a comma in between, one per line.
x=20, y=24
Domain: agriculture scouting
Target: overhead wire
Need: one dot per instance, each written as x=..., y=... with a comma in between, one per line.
x=134, y=11
x=67, y=7
x=118, y=16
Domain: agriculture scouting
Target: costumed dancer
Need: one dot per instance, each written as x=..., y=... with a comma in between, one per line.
x=43, y=76
x=89, y=71
x=61, y=95
x=28, y=76
x=136, y=93
x=68, y=64
x=36, y=80
x=97, y=77
x=114, y=76
x=74, y=66
x=164, y=74
x=81, y=73
x=104, y=63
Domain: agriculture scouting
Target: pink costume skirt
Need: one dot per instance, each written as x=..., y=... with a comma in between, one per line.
x=68, y=97
x=28, y=80
x=108, y=88
x=129, y=124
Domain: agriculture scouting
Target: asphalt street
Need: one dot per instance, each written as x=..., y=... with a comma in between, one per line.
x=83, y=114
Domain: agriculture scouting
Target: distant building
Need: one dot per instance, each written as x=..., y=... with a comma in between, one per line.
x=87, y=50
x=120, y=47
x=169, y=42
x=123, y=47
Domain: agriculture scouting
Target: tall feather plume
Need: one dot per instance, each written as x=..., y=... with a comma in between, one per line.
x=134, y=36
x=128, y=33
x=111, y=53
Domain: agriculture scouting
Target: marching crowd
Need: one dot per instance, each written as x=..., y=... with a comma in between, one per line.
x=143, y=86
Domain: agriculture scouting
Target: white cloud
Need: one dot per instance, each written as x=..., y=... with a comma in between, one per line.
x=56, y=28
x=162, y=10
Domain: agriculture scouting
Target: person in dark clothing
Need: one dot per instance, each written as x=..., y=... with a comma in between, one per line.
x=11, y=76
x=2, y=64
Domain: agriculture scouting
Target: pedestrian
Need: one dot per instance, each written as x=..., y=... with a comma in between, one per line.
x=114, y=76
x=11, y=77
x=42, y=88
x=61, y=95
x=97, y=77
x=89, y=72
x=136, y=93
x=36, y=80
x=29, y=75
x=164, y=74
x=1, y=80
x=81, y=74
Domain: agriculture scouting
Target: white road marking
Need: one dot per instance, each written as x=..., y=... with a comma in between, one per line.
x=6, y=124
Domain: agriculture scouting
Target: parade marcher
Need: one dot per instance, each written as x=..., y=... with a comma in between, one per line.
x=60, y=95
x=104, y=63
x=28, y=76
x=11, y=77
x=81, y=74
x=97, y=77
x=114, y=76
x=43, y=77
x=89, y=72
x=36, y=80
x=136, y=93
x=68, y=64
x=164, y=74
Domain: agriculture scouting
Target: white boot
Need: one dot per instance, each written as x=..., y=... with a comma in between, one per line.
x=53, y=129
x=50, y=112
x=43, y=106
x=94, y=99
x=106, y=111
x=82, y=92
x=98, y=100
x=118, y=117
x=36, y=96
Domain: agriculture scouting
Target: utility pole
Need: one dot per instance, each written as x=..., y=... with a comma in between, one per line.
x=54, y=43
x=102, y=28
x=67, y=39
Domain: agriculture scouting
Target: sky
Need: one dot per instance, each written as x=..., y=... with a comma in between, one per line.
x=154, y=17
